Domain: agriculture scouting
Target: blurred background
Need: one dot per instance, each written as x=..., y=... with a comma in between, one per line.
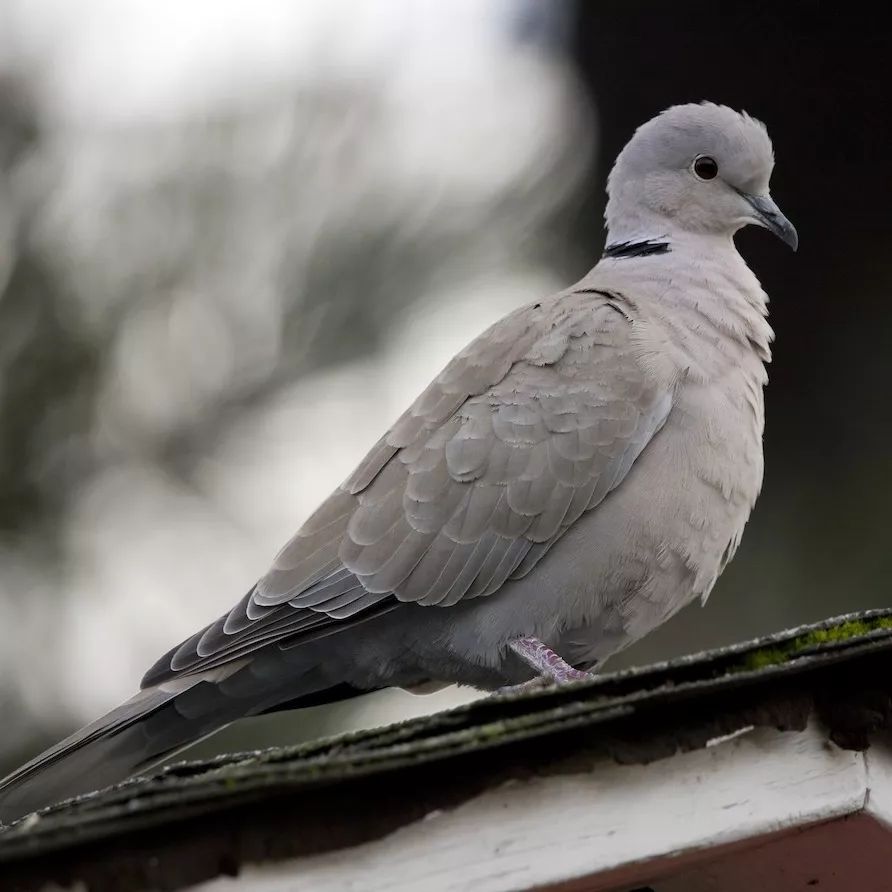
x=230, y=227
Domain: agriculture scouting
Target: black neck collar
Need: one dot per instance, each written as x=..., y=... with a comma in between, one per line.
x=620, y=250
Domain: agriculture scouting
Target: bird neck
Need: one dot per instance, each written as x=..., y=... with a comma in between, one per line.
x=700, y=283
x=641, y=225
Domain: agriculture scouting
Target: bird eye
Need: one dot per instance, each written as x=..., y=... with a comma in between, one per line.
x=705, y=168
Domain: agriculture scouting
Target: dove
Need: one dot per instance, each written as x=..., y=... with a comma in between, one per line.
x=575, y=476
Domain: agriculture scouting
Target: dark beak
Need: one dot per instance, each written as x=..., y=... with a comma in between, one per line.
x=769, y=215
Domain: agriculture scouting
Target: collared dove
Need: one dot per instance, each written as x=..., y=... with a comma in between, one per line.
x=571, y=479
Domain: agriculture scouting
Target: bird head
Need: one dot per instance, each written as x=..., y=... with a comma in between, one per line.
x=698, y=168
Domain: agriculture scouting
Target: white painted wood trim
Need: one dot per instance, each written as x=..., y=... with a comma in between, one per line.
x=878, y=803
x=602, y=823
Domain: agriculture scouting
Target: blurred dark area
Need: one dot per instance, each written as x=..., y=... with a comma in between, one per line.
x=193, y=306
x=818, y=542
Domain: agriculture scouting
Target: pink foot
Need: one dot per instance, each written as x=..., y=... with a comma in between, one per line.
x=551, y=668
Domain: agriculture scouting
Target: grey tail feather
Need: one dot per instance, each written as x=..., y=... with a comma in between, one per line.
x=97, y=755
x=138, y=734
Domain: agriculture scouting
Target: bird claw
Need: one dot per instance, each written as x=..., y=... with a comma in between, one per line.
x=552, y=669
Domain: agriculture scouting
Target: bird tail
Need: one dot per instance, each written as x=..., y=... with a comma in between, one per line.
x=147, y=728
x=103, y=752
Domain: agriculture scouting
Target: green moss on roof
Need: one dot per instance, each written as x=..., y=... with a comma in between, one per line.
x=833, y=634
